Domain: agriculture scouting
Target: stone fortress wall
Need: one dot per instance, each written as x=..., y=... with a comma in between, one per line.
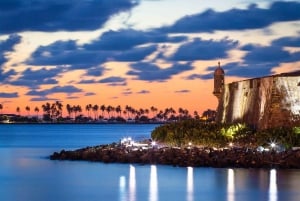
x=265, y=102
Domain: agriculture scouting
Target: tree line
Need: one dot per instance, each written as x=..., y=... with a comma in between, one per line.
x=54, y=112
x=198, y=133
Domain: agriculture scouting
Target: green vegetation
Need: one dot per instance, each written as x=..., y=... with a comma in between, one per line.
x=200, y=133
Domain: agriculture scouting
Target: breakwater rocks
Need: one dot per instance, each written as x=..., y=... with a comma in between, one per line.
x=184, y=157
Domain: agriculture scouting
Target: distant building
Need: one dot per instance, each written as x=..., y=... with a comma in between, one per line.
x=265, y=102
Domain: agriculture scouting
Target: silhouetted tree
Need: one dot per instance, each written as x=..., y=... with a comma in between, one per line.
x=27, y=108
x=88, y=108
x=95, y=110
x=18, y=110
x=102, y=108
x=37, y=110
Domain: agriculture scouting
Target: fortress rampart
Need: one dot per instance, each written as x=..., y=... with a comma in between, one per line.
x=265, y=102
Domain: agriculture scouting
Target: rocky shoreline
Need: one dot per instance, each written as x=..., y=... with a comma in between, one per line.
x=184, y=157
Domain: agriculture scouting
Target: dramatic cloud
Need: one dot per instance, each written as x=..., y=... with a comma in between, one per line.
x=204, y=50
x=237, y=19
x=57, y=89
x=151, y=72
x=95, y=71
x=5, y=76
x=258, y=60
x=287, y=42
x=7, y=46
x=267, y=54
x=273, y=54
x=128, y=38
x=9, y=95
x=57, y=15
x=67, y=53
x=34, y=79
x=136, y=54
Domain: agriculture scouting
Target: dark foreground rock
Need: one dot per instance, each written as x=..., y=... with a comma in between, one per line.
x=194, y=157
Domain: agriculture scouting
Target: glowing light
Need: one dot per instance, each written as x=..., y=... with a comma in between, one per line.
x=231, y=144
x=273, y=144
x=153, y=187
x=273, y=186
x=153, y=143
x=122, y=188
x=190, y=184
x=132, y=183
x=190, y=144
x=230, y=185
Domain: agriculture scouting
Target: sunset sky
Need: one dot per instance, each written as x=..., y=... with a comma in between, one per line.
x=140, y=53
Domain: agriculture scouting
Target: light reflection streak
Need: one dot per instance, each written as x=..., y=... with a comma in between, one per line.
x=122, y=188
x=132, y=183
x=230, y=185
x=190, y=184
x=273, y=186
x=153, y=187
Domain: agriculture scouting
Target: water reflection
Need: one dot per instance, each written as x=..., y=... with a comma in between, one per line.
x=273, y=186
x=230, y=185
x=153, y=193
x=122, y=187
x=132, y=183
x=190, y=184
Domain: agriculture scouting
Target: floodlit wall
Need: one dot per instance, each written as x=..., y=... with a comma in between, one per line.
x=262, y=102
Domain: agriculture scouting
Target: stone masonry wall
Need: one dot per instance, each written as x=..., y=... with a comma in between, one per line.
x=261, y=102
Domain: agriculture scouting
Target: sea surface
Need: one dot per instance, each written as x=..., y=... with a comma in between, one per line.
x=27, y=174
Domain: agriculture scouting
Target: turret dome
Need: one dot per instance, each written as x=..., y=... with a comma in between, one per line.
x=219, y=70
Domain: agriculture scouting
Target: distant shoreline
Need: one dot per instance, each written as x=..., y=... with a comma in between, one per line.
x=61, y=123
x=184, y=157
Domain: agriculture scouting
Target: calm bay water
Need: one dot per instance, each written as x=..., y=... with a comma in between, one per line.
x=26, y=173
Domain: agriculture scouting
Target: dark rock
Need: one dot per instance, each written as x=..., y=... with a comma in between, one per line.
x=195, y=157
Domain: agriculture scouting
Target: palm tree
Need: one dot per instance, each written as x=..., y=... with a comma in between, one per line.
x=95, y=109
x=128, y=109
x=36, y=109
x=1, y=107
x=18, y=110
x=113, y=109
x=88, y=109
x=69, y=109
x=119, y=110
x=102, y=108
x=59, y=107
x=154, y=111
x=147, y=112
x=76, y=108
x=108, y=110
x=47, y=111
x=27, y=108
